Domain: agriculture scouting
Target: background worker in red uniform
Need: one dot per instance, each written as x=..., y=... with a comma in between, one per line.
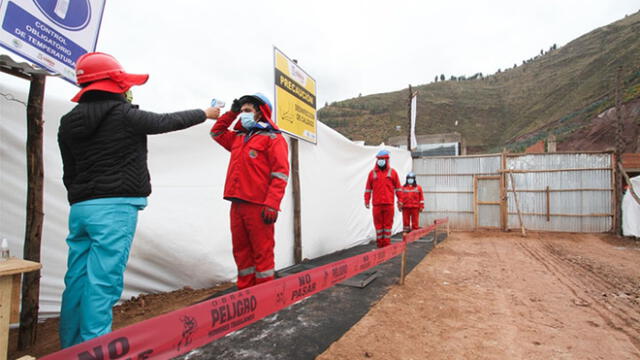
x=382, y=183
x=411, y=203
x=256, y=180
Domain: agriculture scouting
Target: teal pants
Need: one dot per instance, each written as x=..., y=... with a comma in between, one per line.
x=100, y=235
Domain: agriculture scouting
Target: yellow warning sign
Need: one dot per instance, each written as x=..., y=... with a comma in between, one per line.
x=295, y=100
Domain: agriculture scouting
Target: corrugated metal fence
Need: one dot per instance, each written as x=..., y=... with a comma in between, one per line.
x=556, y=191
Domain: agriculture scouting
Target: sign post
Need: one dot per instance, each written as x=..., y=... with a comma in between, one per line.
x=295, y=114
x=51, y=33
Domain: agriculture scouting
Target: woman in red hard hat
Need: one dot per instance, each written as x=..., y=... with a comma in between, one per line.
x=103, y=143
x=256, y=180
x=382, y=184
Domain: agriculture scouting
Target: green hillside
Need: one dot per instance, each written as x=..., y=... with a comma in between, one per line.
x=555, y=92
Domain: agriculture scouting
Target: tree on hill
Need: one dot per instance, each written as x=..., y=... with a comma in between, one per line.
x=436, y=80
x=442, y=77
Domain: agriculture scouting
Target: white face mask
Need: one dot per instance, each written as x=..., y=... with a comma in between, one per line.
x=382, y=162
x=410, y=181
x=248, y=121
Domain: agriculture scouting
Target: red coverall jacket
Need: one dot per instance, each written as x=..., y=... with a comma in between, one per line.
x=259, y=166
x=383, y=183
x=412, y=197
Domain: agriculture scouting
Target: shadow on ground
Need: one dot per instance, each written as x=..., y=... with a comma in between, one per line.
x=305, y=329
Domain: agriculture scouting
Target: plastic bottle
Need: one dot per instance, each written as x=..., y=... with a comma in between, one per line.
x=4, y=250
x=217, y=103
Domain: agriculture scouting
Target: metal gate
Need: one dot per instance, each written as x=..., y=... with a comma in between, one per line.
x=487, y=204
x=561, y=191
x=556, y=191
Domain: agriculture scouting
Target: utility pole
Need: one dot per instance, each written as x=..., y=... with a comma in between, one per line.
x=618, y=154
x=35, y=213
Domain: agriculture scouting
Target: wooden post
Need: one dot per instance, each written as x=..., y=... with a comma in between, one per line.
x=632, y=191
x=295, y=186
x=403, y=260
x=515, y=197
x=15, y=298
x=5, y=314
x=613, y=192
x=33, y=231
x=475, y=202
x=619, y=150
x=435, y=233
x=504, y=217
x=548, y=205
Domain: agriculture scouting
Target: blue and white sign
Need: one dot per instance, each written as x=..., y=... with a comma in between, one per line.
x=51, y=33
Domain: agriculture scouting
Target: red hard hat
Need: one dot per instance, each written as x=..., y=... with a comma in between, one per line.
x=103, y=72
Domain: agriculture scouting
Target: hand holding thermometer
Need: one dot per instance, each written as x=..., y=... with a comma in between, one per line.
x=217, y=103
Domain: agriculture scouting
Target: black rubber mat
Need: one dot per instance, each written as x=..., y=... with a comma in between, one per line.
x=304, y=330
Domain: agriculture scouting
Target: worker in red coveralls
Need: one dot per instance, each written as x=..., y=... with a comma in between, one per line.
x=256, y=180
x=382, y=184
x=411, y=203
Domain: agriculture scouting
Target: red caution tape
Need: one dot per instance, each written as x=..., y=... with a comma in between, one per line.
x=178, y=332
x=417, y=234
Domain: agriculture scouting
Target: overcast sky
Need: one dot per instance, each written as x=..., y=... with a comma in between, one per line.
x=198, y=49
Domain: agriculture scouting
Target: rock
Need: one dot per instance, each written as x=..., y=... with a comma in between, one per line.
x=579, y=302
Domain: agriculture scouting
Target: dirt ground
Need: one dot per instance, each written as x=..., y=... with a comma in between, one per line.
x=482, y=295
x=492, y=295
x=129, y=312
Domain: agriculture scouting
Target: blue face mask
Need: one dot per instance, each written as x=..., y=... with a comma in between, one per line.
x=410, y=181
x=247, y=120
x=382, y=163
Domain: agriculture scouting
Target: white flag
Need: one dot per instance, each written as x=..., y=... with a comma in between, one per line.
x=414, y=142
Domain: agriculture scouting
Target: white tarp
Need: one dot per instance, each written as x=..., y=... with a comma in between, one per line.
x=631, y=211
x=183, y=236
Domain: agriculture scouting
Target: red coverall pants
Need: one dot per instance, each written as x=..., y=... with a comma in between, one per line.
x=383, y=221
x=253, y=244
x=410, y=219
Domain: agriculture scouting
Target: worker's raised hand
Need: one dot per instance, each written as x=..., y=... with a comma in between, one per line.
x=366, y=205
x=212, y=112
x=235, y=106
x=269, y=215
